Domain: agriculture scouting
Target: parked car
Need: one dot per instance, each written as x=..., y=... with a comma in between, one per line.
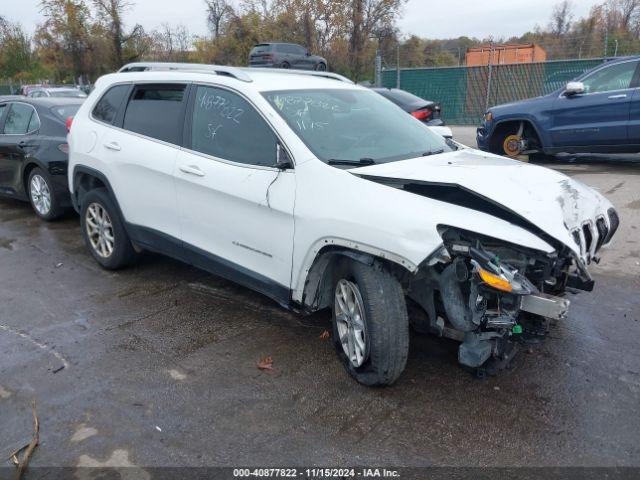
x=597, y=113
x=25, y=89
x=426, y=111
x=321, y=194
x=285, y=55
x=67, y=92
x=34, y=151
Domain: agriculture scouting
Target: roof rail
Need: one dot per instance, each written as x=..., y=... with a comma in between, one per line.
x=313, y=73
x=233, y=72
x=239, y=73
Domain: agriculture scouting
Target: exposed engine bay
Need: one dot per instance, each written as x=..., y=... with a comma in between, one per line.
x=491, y=295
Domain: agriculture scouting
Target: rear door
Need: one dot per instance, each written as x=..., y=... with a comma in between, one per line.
x=139, y=156
x=236, y=209
x=600, y=116
x=17, y=140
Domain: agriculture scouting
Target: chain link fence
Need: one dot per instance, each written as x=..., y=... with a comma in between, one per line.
x=465, y=93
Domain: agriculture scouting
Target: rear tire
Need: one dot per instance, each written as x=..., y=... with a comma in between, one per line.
x=42, y=196
x=285, y=65
x=380, y=331
x=104, y=232
x=321, y=67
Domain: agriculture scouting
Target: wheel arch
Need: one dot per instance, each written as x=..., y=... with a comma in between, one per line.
x=27, y=169
x=86, y=179
x=525, y=122
x=314, y=283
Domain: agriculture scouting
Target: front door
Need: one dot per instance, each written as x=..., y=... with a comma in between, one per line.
x=21, y=123
x=236, y=208
x=600, y=116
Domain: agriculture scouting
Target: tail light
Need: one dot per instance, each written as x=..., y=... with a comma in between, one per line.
x=422, y=114
x=268, y=56
x=64, y=148
x=68, y=123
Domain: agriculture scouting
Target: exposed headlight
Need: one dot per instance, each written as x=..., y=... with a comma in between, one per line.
x=495, y=281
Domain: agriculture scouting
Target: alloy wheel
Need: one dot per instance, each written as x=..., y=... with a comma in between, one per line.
x=350, y=322
x=40, y=195
x=99, y=230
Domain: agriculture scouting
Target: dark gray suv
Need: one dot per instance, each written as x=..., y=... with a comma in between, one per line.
x=285, y=55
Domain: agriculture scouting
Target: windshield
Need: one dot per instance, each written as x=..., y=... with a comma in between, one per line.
x=65, y=111
x=71, y=93
x=354, y=126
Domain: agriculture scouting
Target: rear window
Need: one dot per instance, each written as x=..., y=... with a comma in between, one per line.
x=262, y=48
x=71, y=93
x=65, y=111
x=156, y=111
x=107, y=108
x=400, y=97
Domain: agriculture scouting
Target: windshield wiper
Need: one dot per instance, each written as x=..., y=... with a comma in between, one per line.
x=435, y=152
x=362, y=161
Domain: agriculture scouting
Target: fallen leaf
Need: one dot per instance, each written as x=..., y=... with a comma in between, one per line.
x=266, y=363
x=325, y=335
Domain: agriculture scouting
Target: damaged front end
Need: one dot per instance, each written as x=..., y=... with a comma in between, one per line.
x=491, y=295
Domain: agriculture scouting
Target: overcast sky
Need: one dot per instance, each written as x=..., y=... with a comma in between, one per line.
x=425, y=18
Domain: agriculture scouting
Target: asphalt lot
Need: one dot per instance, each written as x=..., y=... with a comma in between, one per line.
x=156, y=366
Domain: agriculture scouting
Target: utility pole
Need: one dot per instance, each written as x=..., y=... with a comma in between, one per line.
x=378, y=74
x=398, y=66
x=606, y=42
x=490, y=76
x=615, y=53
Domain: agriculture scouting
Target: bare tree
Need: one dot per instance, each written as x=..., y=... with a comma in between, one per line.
x=171, y=43
x=561, y=18
x=628, y=11
x=111, y=13
x=367, y=18
x=217, y=13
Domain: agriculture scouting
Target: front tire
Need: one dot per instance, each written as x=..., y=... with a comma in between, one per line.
x=285, y=65
x=321, y=67
x=370, y=323
x=103, y=231
x=42, y=196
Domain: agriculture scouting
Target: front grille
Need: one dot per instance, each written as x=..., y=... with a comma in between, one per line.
x=603, y=230
x=614, y=222
x=577, y=239
x=588, y=237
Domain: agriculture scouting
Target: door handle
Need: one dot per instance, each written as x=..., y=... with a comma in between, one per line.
x=191, y=170
x=112, y=146
x=617, y=97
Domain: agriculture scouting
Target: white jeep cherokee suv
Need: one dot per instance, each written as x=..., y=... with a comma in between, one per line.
x=319, y=193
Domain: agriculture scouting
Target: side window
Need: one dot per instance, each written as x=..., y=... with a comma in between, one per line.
x=226, y=126
x=615, y=77
x=2, y=109
x=107, y=107
x=156, y=111
x=34, y=123
x=18, y=118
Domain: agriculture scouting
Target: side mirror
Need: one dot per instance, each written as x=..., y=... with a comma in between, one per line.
x=308, y=53
x=283, y=161
x=574, y=88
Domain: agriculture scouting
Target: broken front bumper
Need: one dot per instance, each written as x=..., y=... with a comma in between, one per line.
x=548, y=306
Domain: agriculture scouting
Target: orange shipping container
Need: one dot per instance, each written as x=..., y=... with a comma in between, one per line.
x=505, y=54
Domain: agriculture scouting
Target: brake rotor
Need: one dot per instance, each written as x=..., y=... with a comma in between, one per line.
x=512, y=145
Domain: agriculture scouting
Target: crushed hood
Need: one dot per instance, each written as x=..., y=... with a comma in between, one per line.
x=544, y=201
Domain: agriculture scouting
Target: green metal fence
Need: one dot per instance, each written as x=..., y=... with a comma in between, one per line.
x=465, y=92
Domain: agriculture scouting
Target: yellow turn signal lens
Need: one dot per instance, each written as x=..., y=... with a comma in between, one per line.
x=494, y=281
x=488, y=116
